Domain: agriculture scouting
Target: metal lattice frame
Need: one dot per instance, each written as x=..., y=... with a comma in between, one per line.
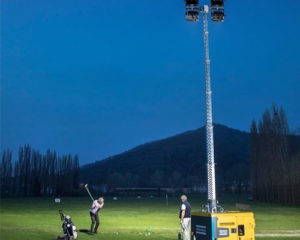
x=211, y=181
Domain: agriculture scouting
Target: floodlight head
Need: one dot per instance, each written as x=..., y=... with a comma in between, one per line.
x=217, y=3
x=192, y=16
x=191, y=2
x=217, y=16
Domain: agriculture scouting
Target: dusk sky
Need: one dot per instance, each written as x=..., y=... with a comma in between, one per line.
x=96, y=78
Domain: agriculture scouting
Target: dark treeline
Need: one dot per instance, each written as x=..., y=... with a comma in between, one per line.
x=275, y=159
x=35, y=174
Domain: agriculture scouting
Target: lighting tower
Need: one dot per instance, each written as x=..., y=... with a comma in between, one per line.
x=217, y=15
x=213, y=223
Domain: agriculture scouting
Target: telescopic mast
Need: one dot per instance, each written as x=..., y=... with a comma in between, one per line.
x=217, y=14
x=211, y=180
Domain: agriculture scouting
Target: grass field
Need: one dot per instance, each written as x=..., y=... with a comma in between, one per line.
x=129, y=218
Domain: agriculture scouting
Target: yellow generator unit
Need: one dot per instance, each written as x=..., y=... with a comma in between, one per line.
x=223, y=226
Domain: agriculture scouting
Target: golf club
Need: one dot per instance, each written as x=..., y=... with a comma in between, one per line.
x=87, y=189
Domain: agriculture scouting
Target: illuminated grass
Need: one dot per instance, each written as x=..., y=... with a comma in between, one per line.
x=128, y=218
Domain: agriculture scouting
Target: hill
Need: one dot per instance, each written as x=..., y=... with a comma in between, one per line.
x=179, y=160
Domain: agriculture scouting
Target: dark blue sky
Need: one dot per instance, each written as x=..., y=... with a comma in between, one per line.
x=99, y=77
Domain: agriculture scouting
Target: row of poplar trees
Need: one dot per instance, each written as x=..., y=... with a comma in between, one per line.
x=35, y=174
x=275, y=160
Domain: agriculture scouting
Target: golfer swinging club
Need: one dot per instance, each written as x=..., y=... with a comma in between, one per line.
x=97, y=204
x=185, y=218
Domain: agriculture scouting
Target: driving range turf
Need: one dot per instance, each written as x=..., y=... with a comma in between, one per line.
x=130, y=218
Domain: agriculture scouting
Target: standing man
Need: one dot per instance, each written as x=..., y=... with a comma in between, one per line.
x=185, y=218
x=97, y=204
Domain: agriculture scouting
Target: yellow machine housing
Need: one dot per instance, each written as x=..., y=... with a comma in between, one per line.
x=224, y=226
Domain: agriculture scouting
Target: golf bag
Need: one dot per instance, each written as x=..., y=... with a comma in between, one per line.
x=68, y=227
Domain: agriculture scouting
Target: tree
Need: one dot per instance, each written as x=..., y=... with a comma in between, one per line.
x=271, y=159
x=255, y=163
x=6, y=174
x=36, y=165
x=35, y=174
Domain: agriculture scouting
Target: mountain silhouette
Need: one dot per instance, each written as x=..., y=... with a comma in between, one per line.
x=178, y=160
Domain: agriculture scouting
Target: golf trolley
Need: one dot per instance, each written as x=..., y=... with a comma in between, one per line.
x=68, y=227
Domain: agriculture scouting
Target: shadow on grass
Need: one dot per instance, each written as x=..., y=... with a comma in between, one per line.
x=86, y=231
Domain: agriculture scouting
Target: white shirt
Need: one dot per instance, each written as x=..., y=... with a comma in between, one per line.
x=96, y=206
